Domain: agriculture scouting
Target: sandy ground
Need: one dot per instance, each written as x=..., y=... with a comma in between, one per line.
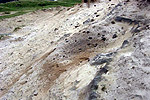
x=49, y=54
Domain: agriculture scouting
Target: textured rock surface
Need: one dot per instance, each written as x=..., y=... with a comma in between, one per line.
x=77, y=53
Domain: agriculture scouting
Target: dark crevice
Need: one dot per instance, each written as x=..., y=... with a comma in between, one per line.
x=94, y=84
x=97, y=60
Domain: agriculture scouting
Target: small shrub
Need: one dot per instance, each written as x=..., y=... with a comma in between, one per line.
x=1, y=37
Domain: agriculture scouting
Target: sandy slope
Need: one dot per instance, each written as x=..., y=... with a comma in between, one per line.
x=51, y=55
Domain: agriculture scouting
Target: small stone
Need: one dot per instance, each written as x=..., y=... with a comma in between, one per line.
x=66, y=35
x=21, y=64
x=19, y=21
x=92, y=20
x=103, y=88
x=95, y=45
x=55, y=29
x=114, y=36
x=125, y=43
x=97, y=15
x=98, y=34
x=113, y=22
x=1, y=89
x=66, y=40
x=80, y=49
x=35, y=93
x=87, y=21
x=104, y=70
x=90, y=38
x=88, y=32
x=89, y=44
x=103, y=38
x=76, y=26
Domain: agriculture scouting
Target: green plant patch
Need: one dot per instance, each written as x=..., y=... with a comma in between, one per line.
x=24, y=6
x=12, y=15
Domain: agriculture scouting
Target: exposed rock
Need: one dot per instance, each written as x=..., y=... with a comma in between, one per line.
x=80, y=53
x=102, y=58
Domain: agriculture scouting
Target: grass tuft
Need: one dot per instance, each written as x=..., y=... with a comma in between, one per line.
x=24, y=6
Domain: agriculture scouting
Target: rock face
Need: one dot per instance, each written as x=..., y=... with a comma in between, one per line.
x=78, y=53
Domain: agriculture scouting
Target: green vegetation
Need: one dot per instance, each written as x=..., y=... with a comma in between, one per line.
x=3, y=36
x=24, y=6
x=12, y=15
x=71, y=1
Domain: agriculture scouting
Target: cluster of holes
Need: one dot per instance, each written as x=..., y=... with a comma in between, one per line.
x=84, y=41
